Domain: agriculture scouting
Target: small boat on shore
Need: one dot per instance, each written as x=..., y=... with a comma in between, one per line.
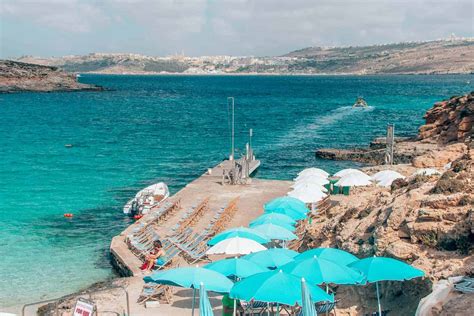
x=147, y=198
x=360, y=103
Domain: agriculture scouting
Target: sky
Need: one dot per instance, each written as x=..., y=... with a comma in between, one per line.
x=221, y=27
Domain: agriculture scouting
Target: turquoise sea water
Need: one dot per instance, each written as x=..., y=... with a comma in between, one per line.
x=164, y=128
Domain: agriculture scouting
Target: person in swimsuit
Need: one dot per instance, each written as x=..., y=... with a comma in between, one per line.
x=155, y=256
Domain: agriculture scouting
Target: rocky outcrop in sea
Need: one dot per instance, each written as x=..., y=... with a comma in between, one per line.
x=23, y=77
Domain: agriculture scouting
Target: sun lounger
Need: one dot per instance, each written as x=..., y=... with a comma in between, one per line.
x=155, y=292
x=254, y=307
x=170, y=255
x=325, y=307
x=466, y=285
x=181, y=237
x=195, y=242
x=198, y=255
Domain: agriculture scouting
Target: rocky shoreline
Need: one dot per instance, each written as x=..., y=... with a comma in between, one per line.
x=448, y=122
x=425, y=220
x=23, y=77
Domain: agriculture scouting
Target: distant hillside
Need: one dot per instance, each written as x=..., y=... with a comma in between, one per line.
x=112, y=63
x=435, y=57
x=21, y=77
x=439, y=57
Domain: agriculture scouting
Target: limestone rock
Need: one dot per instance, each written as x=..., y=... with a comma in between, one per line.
x=440, y=156
x=402, y=250
x=450, y=120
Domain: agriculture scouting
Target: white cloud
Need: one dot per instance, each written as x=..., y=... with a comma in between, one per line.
x=60, y=15
x=250, y=27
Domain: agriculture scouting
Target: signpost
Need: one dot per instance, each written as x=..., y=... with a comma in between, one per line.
x=84, y=308
x=390, y=144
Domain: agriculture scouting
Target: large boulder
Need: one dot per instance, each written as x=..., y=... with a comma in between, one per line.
x=449, y=121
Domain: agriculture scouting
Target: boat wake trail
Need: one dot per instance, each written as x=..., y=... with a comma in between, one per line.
x=309, y=130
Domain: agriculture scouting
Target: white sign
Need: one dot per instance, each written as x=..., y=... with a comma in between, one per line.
x=83, y=308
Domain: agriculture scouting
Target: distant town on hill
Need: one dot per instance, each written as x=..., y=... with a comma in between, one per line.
x=450, y=56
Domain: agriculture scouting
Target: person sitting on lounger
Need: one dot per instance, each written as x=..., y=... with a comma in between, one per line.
x=155, y=256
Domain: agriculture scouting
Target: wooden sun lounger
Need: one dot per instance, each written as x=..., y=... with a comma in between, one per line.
x=155, y=292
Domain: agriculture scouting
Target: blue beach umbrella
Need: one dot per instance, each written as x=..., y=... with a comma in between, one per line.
x=192, y=278
x=272, y=258
x=205, y=308
x=296, y=215
x=307, y=308
x=289, y=227
x=236, y=267
x=333, y=254
x=272, y=231
x=287, y=202
x=377, y=269
x=276, y=287
x=243, y=232
x=318, y=271
x=274, y=218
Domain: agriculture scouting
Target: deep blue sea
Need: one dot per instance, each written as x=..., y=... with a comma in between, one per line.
x=147, y=129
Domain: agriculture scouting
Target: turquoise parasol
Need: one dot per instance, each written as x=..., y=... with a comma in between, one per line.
x=276, y=287
x=236, y=267
x=205, y=308
x=377, y=269
x=333, y=254
x=272, y=258
x=319, y=271
x=276, y=232
x=243, y=232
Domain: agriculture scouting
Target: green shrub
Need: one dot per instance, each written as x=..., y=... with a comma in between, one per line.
x=429, y=239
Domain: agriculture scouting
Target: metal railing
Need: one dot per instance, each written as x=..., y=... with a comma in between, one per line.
x=56, y=312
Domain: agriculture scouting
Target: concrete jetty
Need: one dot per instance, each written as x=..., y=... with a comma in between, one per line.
x=251, y=198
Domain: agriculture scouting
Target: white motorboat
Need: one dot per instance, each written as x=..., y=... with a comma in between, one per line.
x=360, y=103
x=147, y=198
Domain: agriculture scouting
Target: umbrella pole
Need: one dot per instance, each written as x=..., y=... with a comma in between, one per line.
x=278, y=309
x=378, y=298
x=194, y=298
x=268, y=309
x=237, y=279
x=327, y=291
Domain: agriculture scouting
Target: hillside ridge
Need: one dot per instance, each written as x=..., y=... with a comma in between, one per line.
x=455, y=56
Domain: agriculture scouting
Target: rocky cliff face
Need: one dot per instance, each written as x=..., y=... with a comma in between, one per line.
x=20, y=77
x=426, y=221
x=449, y=121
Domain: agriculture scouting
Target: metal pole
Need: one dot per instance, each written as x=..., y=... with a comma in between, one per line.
x=378, y=298
x=327, y=291
x=235, y=307
x=393, y=144
x=194, y=298
x=250, y=144
x=231, y=100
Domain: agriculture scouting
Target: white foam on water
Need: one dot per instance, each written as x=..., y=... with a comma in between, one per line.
x=305, y=130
